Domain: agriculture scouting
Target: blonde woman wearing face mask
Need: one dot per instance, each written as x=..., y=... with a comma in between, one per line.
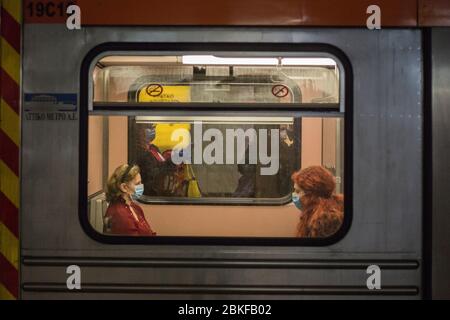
x=125, y=216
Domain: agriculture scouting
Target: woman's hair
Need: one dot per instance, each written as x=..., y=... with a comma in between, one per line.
x=322, y=209
x=123, y=174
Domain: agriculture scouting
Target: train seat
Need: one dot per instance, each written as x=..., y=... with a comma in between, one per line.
x=97, y=211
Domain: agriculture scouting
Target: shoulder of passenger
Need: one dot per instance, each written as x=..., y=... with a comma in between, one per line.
x=113, y=207
x=330, y=216
x=136, y=205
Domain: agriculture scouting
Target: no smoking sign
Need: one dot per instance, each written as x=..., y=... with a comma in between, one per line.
x=280, y=91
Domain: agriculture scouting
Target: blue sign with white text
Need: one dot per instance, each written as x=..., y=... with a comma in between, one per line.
x=44, y=102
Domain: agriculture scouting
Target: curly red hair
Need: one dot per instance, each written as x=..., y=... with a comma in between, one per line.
x=323, y=210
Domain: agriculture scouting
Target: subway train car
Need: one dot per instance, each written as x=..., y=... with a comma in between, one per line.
x=218, y=105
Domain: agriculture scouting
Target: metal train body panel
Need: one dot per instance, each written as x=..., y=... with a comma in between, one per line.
x=387, y=144
x=440, y=96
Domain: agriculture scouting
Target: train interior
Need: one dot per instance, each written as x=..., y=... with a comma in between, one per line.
x=221, y=188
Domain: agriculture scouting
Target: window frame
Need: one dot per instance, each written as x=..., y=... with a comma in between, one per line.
x=306, y=52
x=280, y=201
x=297, y=50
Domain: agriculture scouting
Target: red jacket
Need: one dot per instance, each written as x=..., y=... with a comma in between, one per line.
x=123, y=222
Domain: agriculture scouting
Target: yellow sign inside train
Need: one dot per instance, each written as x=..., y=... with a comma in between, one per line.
x=165, y=93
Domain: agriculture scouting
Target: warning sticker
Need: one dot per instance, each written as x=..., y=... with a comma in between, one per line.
x=165, y=93
x=154, y=90
x=280, y=91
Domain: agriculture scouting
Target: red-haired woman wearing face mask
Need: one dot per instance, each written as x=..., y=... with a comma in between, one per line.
x=126, y=217
x=322, y=210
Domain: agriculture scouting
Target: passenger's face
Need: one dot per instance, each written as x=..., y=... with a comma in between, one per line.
x=130, y=187
x=298, y=190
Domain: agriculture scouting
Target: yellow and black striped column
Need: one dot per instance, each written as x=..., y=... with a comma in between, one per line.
x=11, y=16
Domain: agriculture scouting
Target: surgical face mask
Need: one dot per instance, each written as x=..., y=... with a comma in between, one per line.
x=138, y=191
x=296, y=200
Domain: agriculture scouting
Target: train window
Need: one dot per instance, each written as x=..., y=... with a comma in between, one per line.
x=210, y=79
x=193, y=198
x=213, y=172
x=216, y=159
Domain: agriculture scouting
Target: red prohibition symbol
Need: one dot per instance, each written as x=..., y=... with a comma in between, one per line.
x=154, y=90
x=280, y=91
